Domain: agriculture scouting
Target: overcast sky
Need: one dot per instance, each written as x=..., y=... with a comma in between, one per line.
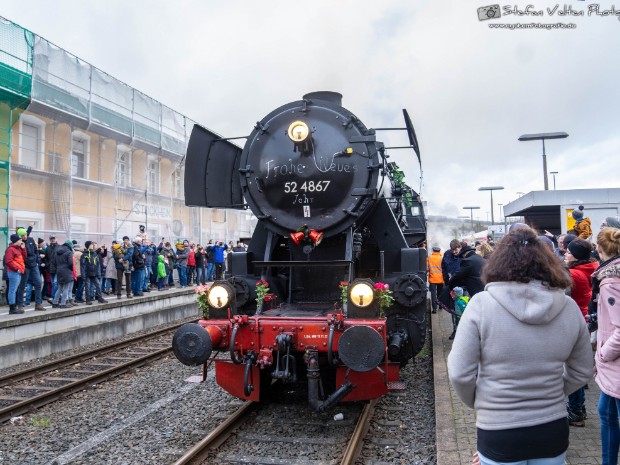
x=470, y=89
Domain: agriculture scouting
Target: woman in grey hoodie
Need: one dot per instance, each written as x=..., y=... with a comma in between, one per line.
x=521, y=348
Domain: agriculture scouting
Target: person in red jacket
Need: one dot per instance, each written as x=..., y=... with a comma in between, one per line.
x=191, y=265
x=581, y=265
x=15, y=262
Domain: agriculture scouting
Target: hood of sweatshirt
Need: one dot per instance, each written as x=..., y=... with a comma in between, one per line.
x=160, y=258
x=530, y=303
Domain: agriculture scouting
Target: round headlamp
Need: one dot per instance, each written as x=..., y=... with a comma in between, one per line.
x=218, y=296
x=361, y=293
x=298, y=131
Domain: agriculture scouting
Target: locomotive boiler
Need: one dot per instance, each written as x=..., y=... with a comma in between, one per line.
x=330, y=295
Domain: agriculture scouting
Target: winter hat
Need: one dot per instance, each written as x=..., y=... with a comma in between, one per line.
x=613, y=222
x=15, y=238
x=458, y=291
x=69, y=244
x=21, y=232
x=87, y=244
x=436, y=249
x=138, y=239
x=568, y=239
x=40, y=241
x=580, y=249
x=547, y=241
x=516, y=226
x=578, y=213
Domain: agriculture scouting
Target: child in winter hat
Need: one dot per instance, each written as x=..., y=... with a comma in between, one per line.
x=583, y=226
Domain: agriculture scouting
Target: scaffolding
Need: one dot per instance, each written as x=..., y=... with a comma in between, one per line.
x=90, y=157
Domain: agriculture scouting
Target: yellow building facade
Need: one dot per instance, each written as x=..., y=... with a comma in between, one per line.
x=90, y=158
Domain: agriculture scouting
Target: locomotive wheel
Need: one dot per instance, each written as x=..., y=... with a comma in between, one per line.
x=409, y=290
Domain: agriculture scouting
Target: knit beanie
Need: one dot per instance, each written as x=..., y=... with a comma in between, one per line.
x=15, y=238
x=568, y=239
x=21, y=232
x=40, y=241
x=580, y=249
x=578, y=213
x=613, y=222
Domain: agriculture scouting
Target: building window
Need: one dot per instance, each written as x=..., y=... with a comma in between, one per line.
x=31, y=141
x=178, y=183
x=79, y=155
x=123, y=167
x=153, y=175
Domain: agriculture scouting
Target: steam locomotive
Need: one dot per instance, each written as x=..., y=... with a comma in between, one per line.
x=331, y=293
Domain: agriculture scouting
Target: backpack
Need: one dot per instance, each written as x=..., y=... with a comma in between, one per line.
x=460, y=303
x=137, y=259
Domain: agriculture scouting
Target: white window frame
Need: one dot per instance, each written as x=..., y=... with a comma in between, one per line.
x=123, y=150
x=23, y=218
x=40, y=124
x=150, y=188
x=85, y=138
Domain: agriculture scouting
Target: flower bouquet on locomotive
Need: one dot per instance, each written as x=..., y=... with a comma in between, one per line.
x=331, y=292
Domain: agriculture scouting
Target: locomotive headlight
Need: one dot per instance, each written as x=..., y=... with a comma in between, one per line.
x=361, y=293
x=298, y=131
x=219, y=296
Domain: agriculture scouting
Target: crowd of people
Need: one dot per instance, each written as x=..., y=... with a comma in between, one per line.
x=536, y=307
x=68, y=274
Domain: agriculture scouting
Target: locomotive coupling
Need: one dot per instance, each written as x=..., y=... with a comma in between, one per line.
x=192, y=344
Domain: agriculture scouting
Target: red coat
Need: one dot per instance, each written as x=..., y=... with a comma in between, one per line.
x=582, y=285
x=15, y=258
x=191, y=258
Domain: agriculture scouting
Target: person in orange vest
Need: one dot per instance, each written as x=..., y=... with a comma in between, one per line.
x=435, y=276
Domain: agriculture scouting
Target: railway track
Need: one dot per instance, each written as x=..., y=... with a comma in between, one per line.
x=29, y=389
x=281, y=444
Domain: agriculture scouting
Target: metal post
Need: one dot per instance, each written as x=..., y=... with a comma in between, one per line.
x=545, y=166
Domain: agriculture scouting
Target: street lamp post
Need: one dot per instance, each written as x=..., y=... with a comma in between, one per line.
x=491, y=189
x=553, y=173
x=471, y=215
x=543, y=136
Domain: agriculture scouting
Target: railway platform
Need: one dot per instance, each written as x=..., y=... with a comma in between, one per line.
x=456, y=423
x=36, y=334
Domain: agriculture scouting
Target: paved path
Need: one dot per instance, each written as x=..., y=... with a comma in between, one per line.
x=456, y=423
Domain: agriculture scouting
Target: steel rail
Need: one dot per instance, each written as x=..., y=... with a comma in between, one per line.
x=354, y=447
x=28, y=404
x=46, y=368
x=198, y=452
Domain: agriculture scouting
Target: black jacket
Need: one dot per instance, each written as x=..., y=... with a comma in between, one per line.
x=50, y=258
x=90, y=264
x=64, y=264
x=468, y=275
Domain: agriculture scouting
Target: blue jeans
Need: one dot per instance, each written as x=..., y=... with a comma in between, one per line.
x=54, y=284
x=559, y=460
x=210, y=271
x=32, y=276
x=200, y=275
x=609, y=411
x=79, y=290
x=146, y=278
x=182, y=275
x=576, y=400
x=137, y=279
x=15, y=278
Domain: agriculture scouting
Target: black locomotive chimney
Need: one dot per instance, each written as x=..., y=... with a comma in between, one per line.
x=326, y=96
